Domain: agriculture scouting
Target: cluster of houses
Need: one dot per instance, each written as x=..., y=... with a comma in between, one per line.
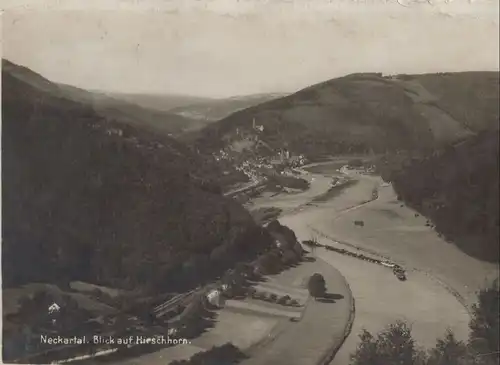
x=256, y=168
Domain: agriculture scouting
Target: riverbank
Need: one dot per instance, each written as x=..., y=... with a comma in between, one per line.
x=431, y=303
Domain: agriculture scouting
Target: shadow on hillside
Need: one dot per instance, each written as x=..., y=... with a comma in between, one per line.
x=480, y=248
x=479, y=245
x=330, y=298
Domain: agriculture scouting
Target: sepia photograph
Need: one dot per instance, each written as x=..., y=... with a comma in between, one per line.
x=250, y=182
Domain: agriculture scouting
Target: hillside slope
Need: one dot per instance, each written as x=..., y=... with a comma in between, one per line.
x=85, y=198
x=106, y=106
x=213, y=110
x=363, y=113
x=162, y=102
x=457, y=189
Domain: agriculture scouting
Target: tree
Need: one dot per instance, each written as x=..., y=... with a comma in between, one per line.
x=449, y=351
x=220, y=255
x=242, y=268
x=484, y=336
x=393, y=345
x=274, y=226
x=196, y=267
x=316, y=285
x=237, y=283
x=366, y=351
x=41, y=298
x=284, y=300
x=297, y=247
x=269, y=263
x=289, y=257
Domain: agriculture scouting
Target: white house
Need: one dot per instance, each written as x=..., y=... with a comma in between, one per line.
x=215, y=298
x=256, y=127
x=54, y=308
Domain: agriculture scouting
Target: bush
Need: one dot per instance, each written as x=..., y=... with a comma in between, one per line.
x=267, y=297
x=316, y=285
x=449, y=351
x=289, y=257
x=297, y=247
x=273, y=297
x=283, y=300
x=484, y=336
x=269, y=263
x=294, y=303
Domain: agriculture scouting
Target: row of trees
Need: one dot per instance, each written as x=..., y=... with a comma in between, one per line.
x=395, y=345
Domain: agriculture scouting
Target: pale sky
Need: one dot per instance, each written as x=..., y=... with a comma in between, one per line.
x=220, y=48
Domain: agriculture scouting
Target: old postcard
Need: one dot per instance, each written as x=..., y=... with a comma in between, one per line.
x=252, y=182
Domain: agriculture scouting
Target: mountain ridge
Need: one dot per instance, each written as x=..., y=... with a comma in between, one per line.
x=361, y=113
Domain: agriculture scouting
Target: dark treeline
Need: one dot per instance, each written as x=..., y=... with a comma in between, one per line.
x=457, y=189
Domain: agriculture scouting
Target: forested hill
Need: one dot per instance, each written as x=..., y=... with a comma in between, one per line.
x=106, y=106
x=363, y=113
x=457, y=188
x=85, y=198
